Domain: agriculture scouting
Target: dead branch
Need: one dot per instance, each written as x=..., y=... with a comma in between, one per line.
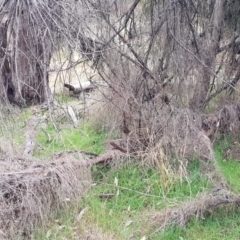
x=204, y=203
x=84, y=86
x=60, y=154
x=109, y=155
x=116, y=146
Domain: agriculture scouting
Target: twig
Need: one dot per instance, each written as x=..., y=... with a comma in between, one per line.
x=118, y=147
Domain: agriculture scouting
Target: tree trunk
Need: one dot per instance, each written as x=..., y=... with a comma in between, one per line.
x=209, y=50
x=31, y=59
x=24, y=76
x=6, y=91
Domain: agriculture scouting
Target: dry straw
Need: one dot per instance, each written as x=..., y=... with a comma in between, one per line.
x=29, y=197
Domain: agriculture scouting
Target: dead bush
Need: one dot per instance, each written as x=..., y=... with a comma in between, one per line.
x=30, y=197
x=229, y=117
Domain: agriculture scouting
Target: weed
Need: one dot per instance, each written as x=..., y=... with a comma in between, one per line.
x=12, y=128
x=62, y=227
x=121, y=197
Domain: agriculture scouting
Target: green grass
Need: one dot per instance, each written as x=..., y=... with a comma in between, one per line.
x=135, y=189
x=63, y=98
x=140, y=187
x=229, y=167
x=84, y=138
x=12, y=127
x=62, y=226
x=138, y=190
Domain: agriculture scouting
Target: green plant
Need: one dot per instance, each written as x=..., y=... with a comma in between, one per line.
x=61, y=227
x=82, y=138
x=63, y=98
x=13, y=127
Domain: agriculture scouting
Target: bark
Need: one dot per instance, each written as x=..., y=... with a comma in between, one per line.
x=6, y=89
x=31, y=57
x=25, y=55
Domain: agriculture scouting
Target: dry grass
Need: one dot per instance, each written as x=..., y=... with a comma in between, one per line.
x=30, y=193
x=230, y=120
x=202, y=204
x=30, y=197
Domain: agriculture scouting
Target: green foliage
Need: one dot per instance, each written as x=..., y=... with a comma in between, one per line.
x=83, y=138
x=12, y=126
x=63, y=98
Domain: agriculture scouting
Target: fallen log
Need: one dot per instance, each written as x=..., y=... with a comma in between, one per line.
x=84, y=86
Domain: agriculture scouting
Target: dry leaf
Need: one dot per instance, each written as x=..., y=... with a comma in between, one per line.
x=80, y=215
x=128, y=223
x=60, y=227
x=116, y=181
x=49, y=232
x=111, y=212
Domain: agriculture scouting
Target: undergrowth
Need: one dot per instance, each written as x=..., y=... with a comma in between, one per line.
x=12, y=127
x=135, y=190
x=83, y=138
x=120, y=197
x=118, y=203
x=221, y=224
